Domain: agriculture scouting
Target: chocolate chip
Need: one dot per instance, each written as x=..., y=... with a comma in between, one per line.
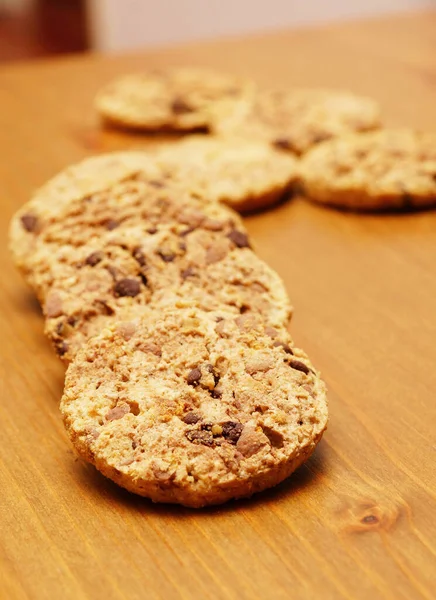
x=200, y=437
x=72, y=321
x=191, y=418
x=138, y=255
x=143, y=278
x=299, y=366
x=111, y=224
x=127, y=287
x=152, y=230
x=94, y=258
x=188, y=272
x=61, y=348
x=106, y=309
x=285, y=347
x=29, y=222
x=194, y=376
x=187, y=231
x=166, y=256
x=282, y=144
x=239, y=238
x=232, y=431
x=180, y=106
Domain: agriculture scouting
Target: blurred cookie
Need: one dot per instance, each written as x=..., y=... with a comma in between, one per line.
x=244, y=174
x=381, y=170
x=178, y=99
x=296, y=120
x=194, y=408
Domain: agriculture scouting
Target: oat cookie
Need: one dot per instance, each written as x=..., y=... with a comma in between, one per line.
x=380, y=170
x=53, y=202
x=180, y=99
x=194, y=408
x=296, y=120
x=208, y=264
x=245, y=174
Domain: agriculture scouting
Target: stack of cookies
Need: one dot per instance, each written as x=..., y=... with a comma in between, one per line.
x=183, y=384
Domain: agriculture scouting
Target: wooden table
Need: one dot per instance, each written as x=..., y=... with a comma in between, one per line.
x=359, y=520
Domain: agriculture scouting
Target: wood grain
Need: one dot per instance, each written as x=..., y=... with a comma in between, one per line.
x=359, y=520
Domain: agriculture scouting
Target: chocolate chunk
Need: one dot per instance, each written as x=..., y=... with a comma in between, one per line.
x=72, y=321
x=105, y=307
x=180, y=106
x=111, y=224
x=191, y=418
x=117, y=412
x=275, y=437
x=285, y=347
x=239, y=238
x=61, y=348
x=299, y=366
x=29, y=222
x=152, y=230
x=232, y=431
x=200, y=437
x=94, y=258
x=166, y=256
x=143, y=278
x=216, y=392
x=194, y=376
x=127, y=287
x=188, y=272
x=138, y=255
x=282, y=144
x=187, y=231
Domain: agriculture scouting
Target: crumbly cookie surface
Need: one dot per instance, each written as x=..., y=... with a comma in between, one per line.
x=380, y=170
x=245, y=174
x=62, y=194
x=181, y=99
x=194, y=408
x=296, y=120
x=210, y=268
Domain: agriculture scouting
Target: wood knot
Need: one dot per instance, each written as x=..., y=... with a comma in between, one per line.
x=365, y=515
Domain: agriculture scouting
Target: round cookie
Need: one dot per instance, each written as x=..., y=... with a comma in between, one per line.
x=194, y=408
x=296, y=120
x=53, y=201
x=137, y=191
x=244, y=174
x=211, y=268
x=388, y=169
x=178, y=99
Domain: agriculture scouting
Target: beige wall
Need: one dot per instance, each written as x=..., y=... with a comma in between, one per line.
x=127, y=24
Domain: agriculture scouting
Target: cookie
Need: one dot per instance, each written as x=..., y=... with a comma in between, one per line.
x=52, y=202
x=178, y=99
x=244, y=174
x=296, y=120
x=388, y=169
x=194, y=408
x=209, y=265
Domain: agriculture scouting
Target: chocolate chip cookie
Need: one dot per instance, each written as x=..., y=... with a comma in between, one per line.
x=209, y=265
x=194, y=408
x=244, y=174
x=296, y=120
x=178, y=99
x=388, y=169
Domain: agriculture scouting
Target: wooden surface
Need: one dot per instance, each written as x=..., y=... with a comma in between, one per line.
x=359, y=520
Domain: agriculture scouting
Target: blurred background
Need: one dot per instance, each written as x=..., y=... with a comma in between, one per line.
x=38, y=28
